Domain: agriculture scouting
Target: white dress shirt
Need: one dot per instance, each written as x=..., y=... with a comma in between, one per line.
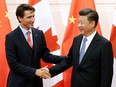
x=25, y=33
x=89, y=39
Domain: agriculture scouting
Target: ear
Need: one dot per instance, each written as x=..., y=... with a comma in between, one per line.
x=92, y=23
x=19, y=18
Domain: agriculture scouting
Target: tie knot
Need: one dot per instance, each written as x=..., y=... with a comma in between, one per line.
x=28, y=32
x=84, y=40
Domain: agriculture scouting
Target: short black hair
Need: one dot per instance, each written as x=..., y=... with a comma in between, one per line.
x=21, y=8
x=91, y=14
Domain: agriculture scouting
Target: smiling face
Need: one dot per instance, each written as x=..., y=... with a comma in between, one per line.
x=27, y=21
x=86, y=27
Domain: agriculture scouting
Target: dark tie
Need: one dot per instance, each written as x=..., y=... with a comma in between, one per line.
x=29, y=39
x=82, y=50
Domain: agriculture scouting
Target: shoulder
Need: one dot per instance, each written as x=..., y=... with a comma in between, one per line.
x=36, y=30
x=14, y=33
x=101, y=38
x=38, y=33
x=78, y=37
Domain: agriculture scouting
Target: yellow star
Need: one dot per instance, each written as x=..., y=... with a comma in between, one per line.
x=6, y=14
x=72, y=19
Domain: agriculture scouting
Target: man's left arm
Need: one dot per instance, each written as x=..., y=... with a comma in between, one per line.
x=106, y=65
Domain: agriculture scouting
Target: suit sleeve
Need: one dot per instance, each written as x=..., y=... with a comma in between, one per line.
x=14, y=64
x=62, y=66
x=106, y=65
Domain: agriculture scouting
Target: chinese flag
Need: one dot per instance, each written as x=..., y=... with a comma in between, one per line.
x=113, y=41
x=44, y=21
x=72, y=30
x=4, y=29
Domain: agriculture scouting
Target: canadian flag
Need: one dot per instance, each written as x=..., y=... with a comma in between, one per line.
x=44, y=21
x=113, y=41
x=72, y=30
x=4, y=29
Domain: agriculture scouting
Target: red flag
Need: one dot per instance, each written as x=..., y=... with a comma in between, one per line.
x=44, y=21
x=33, y=2
x=113, y=41
x=113, y=34
x=4, y=29
x=72, y=30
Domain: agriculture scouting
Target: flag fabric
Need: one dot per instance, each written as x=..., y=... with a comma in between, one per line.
x=113, y=41
x=72, y=30
x=113, y=34
x=4, y=29
x=44, y=22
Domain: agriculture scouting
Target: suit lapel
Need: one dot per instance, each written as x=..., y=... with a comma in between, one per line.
x=77, y=44
x=35, y=41
x=91, y=47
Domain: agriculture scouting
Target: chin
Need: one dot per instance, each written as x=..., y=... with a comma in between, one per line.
x=81, y=32
x=31, y=26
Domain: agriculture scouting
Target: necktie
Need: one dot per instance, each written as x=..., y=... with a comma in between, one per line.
x=82, y=50
x=29, y=39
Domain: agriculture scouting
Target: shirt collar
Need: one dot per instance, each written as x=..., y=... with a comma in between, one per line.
x=89, y=38
x=24, y=30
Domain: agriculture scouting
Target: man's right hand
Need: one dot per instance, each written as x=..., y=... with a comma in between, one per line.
x=43, y=73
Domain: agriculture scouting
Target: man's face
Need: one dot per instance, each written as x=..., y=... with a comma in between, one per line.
x=86, y=27
x=28, y=19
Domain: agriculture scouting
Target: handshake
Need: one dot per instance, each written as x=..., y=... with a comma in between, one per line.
x=43, y=73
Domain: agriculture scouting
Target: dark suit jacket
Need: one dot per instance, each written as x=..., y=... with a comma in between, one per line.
x=96, y=68
x=23, y=61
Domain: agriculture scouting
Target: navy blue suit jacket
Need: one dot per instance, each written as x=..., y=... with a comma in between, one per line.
x=23, y=61
x=96, y=68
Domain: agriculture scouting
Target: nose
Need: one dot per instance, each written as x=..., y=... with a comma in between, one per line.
x=33, y=19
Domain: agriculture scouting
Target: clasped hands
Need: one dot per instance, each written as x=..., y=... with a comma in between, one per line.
x=43, y=73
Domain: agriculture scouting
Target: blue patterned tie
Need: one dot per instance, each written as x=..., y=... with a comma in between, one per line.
x=82, y=50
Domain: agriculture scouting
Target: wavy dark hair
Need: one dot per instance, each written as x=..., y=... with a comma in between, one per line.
x=22, y=8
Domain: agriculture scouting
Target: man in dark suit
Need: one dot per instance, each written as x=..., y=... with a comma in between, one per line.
x=92, y=62
x=24, y=50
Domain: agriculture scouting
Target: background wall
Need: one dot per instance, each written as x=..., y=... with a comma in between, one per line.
x=60, y=11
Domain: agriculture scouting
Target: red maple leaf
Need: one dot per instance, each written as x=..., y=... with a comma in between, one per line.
x=51, y=41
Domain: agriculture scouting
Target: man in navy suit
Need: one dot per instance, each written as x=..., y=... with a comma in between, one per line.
x=95, y=67
x=23, y=58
